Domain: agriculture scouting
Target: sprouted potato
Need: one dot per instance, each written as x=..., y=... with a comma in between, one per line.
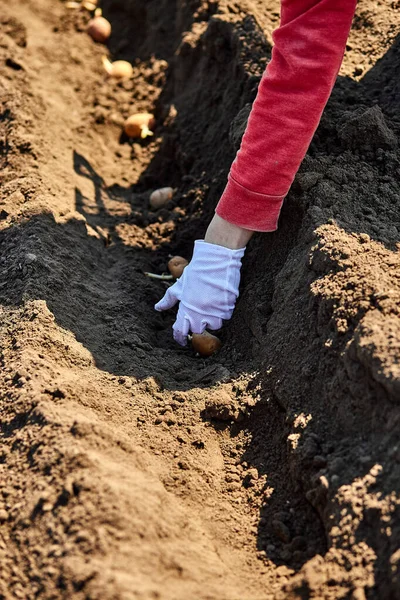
x=139, y=125
x=177, y=265
x=120, y=69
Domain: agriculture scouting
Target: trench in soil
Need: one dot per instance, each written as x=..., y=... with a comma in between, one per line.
x=118, y=462
x=96, y=288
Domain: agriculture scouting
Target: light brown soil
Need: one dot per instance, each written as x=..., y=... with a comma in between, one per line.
x=131, y=468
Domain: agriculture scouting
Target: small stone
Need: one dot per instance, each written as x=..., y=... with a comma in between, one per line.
x=30, y=258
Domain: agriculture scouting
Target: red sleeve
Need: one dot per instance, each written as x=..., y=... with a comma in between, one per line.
x=306, y=57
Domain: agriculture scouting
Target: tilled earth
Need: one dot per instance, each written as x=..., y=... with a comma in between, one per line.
x=130, y=467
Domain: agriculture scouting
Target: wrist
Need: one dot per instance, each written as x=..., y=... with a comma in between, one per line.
x=226, y=234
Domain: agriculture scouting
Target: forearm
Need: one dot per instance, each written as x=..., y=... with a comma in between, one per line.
x=226, y=234
x=293, y=92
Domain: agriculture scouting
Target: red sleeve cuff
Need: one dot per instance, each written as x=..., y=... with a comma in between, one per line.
x=247, y=209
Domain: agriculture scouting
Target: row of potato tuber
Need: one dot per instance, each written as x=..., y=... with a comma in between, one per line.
x=140, y=125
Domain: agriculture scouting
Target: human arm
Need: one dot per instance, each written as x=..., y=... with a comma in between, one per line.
x=227, y=234
x=293, y=92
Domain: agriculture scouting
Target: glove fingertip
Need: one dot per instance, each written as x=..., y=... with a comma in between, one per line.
x=167, y=301
x=180, y=339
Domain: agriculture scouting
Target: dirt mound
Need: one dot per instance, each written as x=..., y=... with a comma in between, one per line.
x=130, y=467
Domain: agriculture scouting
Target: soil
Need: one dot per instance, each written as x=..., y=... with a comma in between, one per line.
x=130, y=467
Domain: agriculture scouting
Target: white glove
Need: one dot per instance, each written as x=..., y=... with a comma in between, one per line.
x=207, y=290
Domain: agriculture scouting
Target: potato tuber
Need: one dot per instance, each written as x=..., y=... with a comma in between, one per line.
x=120, y=69
x=139, y=125
x=99, y=29
x=160, y=197
x=205, y=343
x=177, y=265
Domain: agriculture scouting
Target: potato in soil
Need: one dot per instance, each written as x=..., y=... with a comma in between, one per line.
x=99, y=29
x=120, y=69
x=139, y=125
x=160, y=197
x=177, y=265
x=205, y=343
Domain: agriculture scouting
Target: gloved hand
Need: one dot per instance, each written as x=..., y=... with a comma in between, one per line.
x=207, y=290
